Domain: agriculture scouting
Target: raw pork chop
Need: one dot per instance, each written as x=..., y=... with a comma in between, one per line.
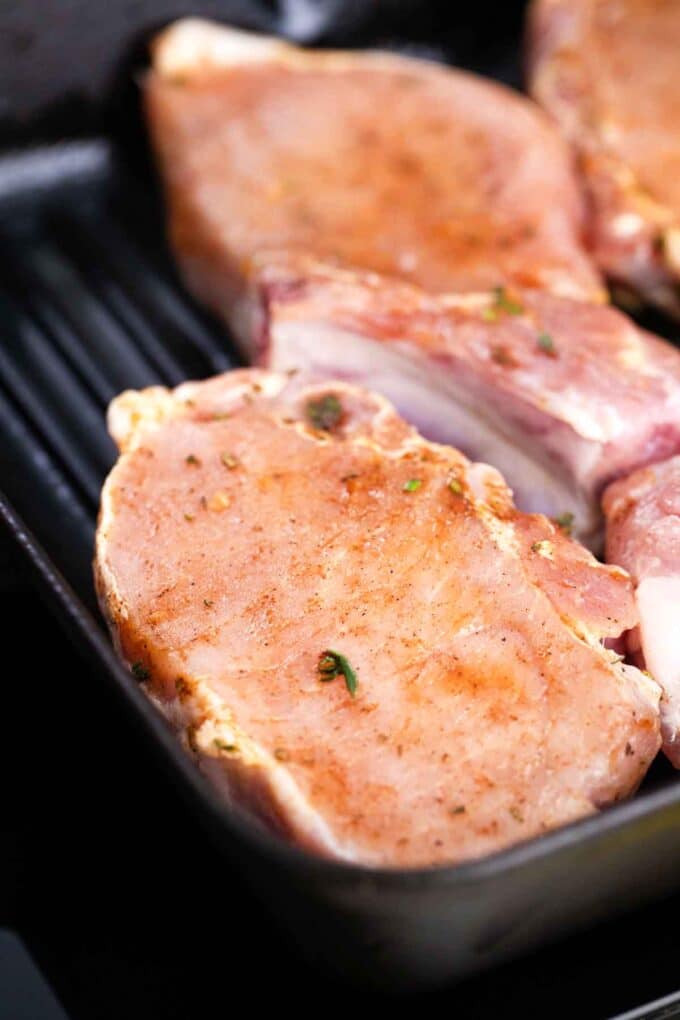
x=609, y=71
x=364, y=159
x=643, y=535
x=355, y=632
x=561, y=396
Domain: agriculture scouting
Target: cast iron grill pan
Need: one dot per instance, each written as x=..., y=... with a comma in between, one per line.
x=90, y=305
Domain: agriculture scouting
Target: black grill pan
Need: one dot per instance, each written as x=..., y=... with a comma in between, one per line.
x=89, y=305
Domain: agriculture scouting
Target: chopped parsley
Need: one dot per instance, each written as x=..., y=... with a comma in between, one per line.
x=459, y=809
x=566, y=522
x=412, y=485
x=229, y=460
x=189, y=517
x=325, y=413
x=332, y=664
x=456, y=486
x=208, y=603
x=546, y=344
x=192, y=459
x=139, y=671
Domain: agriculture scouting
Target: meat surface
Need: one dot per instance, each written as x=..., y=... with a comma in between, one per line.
x=609, y=72
x=367, y=160
x=643, y=535
x=561, y=396
x=354, y=631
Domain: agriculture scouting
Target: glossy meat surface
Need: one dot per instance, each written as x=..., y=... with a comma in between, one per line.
x=366, y=160
x=253, y=523
x=643, y=535
x=609, y=72
x=561, y=396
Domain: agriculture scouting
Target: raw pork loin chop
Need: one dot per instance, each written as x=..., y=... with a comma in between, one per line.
x=643, y=535
x=609, y=71
x=355, y=632
x=561, y=396
x=368, y=160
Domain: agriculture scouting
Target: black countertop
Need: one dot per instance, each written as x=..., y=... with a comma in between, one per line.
x=108, y=880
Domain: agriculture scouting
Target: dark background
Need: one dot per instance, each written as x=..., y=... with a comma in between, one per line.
x=120, y=897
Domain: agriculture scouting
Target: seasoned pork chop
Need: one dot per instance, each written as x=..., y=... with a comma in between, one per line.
x=560, y=396
x=609, y=72
x=643, y=535
x=367, y=160
x=355, y=632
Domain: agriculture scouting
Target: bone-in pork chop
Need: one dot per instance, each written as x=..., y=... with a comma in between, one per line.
x=355, y=632
x=609, y=72
x=368, y=160
x=561, y=396
x=643, y=535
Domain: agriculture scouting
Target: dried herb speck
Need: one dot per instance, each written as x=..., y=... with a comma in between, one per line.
x=546, y=345
x=332, y=664
x=566, y=522
x=502, y=356
x=412, y=485
x=139, y=671
x=502, y=303
x=543, y=547
x=222, y=745
x=325, y=413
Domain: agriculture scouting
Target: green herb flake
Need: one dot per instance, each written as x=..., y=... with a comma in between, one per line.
x=504, y=303
x=325, y=413
x=516, y=814
x=490, y=315
x=139, y=671
x=229, y=460
x=456, y=486
x=192, y=459
x=546, y=344
x=332, y=664
x=566, y=522
x=208, y=603
x=459, y=809
x=189, y=517
x=222, y=745
x=412, y=485
x=328, y=665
